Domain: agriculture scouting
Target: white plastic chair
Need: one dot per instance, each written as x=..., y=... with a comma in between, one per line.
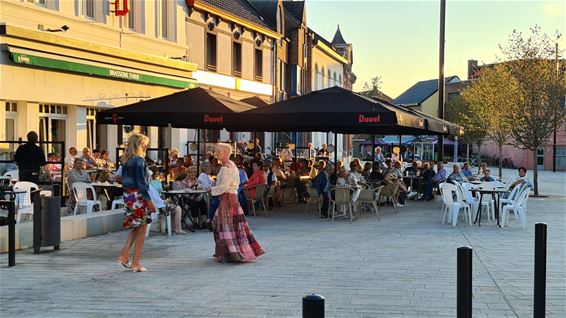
x=14, y=174
x=156, y=217
x=509, y=182
x=473, y=201
x=512, y=196
x=342, y=198
x=117, y=202
x=519, y=208
x=80, y=191
x=314, y=198
x=452, y=208
x=25, y=206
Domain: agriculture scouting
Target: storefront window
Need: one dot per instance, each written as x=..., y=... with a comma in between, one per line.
x=52, y=126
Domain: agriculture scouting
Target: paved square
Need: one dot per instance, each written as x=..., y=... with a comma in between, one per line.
x=404, y=266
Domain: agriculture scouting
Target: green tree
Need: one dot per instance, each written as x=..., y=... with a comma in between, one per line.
x=372, y=89
x=534, y=63
x=458, y=112
x=490, y=97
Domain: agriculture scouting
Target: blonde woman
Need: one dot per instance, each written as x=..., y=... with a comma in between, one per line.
x=234, y=239
x=137, y=201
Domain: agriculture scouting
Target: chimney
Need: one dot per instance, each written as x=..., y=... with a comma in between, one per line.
x=472, y=67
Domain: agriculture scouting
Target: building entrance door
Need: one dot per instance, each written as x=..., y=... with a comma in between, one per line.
x=540, y=159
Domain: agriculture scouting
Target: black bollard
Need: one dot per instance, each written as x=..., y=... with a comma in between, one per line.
x=464, y=282
x=313, y=306
x=36, y=200
x=11, y=207
x=540, y=271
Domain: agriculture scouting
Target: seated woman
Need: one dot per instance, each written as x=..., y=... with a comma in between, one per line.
x=394, y=176
x=257, y=178
x=187, y=161
x=104, y=160
x=195, y=202
x=343, y=177
x=174, y=162
x=165, y=207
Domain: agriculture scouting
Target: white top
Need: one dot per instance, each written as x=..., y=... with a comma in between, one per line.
x=206, y=180
x=227, y=180
x=69, y=162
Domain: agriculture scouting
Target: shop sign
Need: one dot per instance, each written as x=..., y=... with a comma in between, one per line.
x=95, y=70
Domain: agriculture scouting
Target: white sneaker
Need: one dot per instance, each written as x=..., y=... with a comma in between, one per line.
x=400, y=205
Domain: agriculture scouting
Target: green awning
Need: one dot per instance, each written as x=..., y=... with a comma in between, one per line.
x=74, y=65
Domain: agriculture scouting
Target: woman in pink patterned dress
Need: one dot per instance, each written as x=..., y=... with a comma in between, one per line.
x=234, y=239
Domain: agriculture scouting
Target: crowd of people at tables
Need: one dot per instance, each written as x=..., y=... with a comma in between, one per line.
x=283, y=171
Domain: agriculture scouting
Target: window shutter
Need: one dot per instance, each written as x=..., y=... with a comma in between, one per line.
x=171, y=23
x=52, y=4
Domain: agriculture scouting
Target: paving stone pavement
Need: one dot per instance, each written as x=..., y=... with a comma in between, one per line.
x=405, y=266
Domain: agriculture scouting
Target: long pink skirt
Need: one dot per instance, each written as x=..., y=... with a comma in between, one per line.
x=234, y=239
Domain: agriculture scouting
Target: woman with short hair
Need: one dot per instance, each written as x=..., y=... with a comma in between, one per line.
x=234, y=239
x=137, y=201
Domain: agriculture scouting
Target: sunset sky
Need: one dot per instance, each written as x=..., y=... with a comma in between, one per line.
x=399, y=39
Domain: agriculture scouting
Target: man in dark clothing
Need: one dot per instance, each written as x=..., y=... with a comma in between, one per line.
x=322, y=185
x=30, y=159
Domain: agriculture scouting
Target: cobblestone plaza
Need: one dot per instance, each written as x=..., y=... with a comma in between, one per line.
x=404, y=266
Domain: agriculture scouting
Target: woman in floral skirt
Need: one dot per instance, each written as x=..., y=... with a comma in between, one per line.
x=137, y=201
x=232, y=235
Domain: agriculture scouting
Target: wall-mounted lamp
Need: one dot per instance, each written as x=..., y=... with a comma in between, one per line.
x=63, y=28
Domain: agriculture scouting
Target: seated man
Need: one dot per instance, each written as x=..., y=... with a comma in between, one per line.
x=467, y=171
x=322, y=185
x=412, y=179
x=457, y=175
x=323, y=151
x=438, y=178
x=521, y=179
x=77, y=174
x=486, y=176
x=376, y=173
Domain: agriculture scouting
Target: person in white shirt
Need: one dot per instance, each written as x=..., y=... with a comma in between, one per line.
x=520, y=179
x=232, y=235
x=205, y=178
x=70, y=158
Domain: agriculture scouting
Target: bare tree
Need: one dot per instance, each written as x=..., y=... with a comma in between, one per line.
x=534, y=64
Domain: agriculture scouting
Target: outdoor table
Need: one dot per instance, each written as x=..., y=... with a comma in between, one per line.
x=495, y=193
x=180, y=200
x=409, y=180
x=109, y=189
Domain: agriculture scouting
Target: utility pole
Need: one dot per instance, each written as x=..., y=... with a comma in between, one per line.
x=441, y=76
x=555, y=124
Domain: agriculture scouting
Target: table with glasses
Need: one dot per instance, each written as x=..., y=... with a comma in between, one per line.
x=495, y=193
x=180, y=197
